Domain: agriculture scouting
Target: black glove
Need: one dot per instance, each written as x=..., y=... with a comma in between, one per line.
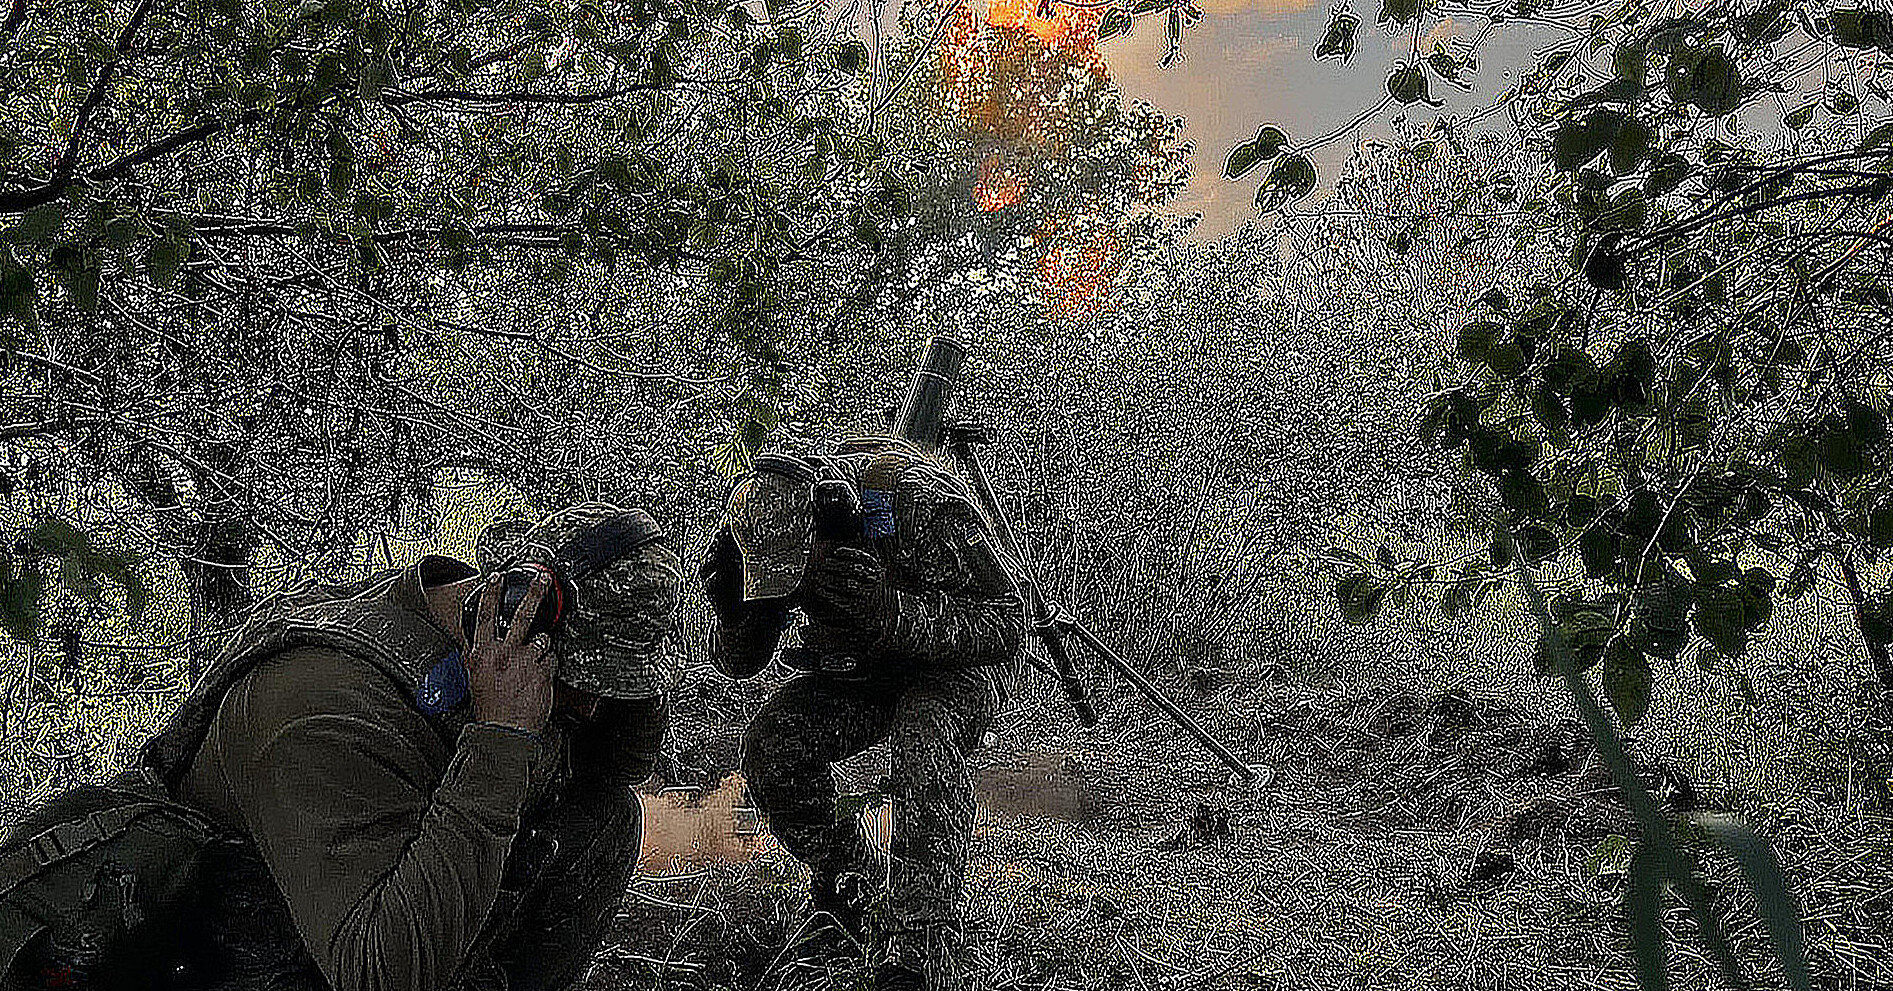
x=847, y=587
x=722, y=576
x=620, y=744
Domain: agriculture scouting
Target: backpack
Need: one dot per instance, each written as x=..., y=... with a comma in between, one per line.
x=99, y=883
x=91, y=884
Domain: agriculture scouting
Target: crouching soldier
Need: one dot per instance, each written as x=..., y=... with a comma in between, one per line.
x=912, y=632
x=422, y=781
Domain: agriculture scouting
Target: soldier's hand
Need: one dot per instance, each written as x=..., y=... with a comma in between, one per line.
x=846, y=585
x=510, y=678
x=722, y=576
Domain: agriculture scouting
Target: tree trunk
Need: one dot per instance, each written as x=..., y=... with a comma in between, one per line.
x=214, y=554
x=218, y=577
x=1872, y=629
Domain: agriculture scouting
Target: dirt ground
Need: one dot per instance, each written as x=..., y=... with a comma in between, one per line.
x=1437, y=840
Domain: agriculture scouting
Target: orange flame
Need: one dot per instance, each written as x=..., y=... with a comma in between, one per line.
x=1017, y=14
x=1006, y=73
x=999, y=186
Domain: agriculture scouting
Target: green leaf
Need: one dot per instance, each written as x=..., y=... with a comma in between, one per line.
x=1630, y=145
x=1880, y=525
x=1839, y=452
x=1715, y=85
x=1538, y=544
x=1859, y=28
x=1291, y=179
x=1578, y=142
x=1799, y=117
x=1476, y=339
x=1506, y=358
x=1867, y=424
x=1359, y=596
x=53, y=535
x=1502, y=550
x=1116, y=22
x=37, y=224
x=1668, y=173
x=1398, y=11
x=20, y=603
x=1607, y=266
x=1879, y=137
x=19, y=293
x=1627, y=682
x=1598, y=547
x=1341, y=555
x=1628, y=211
x=1548, y=408
x=1720, y=618
x=1408, y=86
x=1339, y=41
x=1773, y=899
x=1267, y=143
x=851, y=57
x=1643, y=904
x=1630, y=62
x=789, y=42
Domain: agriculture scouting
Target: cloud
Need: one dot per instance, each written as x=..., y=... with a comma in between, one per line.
x=1446, y=30
x=1214, y=7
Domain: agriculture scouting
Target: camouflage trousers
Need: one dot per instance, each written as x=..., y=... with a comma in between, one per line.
x=931, y=723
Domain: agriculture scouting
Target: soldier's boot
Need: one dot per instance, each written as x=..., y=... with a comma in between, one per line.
x=845, y=899
x=922, y=959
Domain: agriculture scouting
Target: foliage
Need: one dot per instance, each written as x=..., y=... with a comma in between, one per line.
x=236, y=234
x=52, y=554
x=1693, y=410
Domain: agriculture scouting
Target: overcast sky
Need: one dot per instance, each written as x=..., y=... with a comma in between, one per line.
x=1251, y=62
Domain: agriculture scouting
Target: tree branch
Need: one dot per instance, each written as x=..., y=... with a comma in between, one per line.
x=401, y=99
x=15, y=17
x=41, y=428
x=67, y=167
x=1689, y=227
x=157, y=149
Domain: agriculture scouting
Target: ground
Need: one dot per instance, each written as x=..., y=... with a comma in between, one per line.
x=1433, y=837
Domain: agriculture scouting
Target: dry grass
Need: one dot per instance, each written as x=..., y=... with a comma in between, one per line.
x=1431, y=823
x=1435, y=822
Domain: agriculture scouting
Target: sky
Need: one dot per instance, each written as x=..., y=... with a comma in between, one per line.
x=1251, y=62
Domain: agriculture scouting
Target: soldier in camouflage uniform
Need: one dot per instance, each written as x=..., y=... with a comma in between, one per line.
x=912, y=634
x=407, y=818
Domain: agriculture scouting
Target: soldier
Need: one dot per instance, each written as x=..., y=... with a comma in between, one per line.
x=424, y=796
x=912, y=635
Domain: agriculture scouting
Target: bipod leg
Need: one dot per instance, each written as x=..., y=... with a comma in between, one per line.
x=1048, y=629
x=1247, y=773
x=1045, y=624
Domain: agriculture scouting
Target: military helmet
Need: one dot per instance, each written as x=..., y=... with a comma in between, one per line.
x=626, y=581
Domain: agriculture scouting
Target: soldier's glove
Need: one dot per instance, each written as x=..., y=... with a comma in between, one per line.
x=722, y=576
x=847, y=588
x=620, y=744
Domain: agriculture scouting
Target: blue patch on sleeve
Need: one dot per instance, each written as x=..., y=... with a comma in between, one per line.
x=877, y=513
x=444, y=687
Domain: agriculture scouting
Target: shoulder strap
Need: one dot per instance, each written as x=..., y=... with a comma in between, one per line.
x=360, y=620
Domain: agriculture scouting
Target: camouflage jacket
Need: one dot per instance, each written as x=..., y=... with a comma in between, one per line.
x=952, y=602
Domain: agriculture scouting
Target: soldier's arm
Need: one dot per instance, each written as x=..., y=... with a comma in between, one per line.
x=390, y=866
x=741, y=649
x=980, y=623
